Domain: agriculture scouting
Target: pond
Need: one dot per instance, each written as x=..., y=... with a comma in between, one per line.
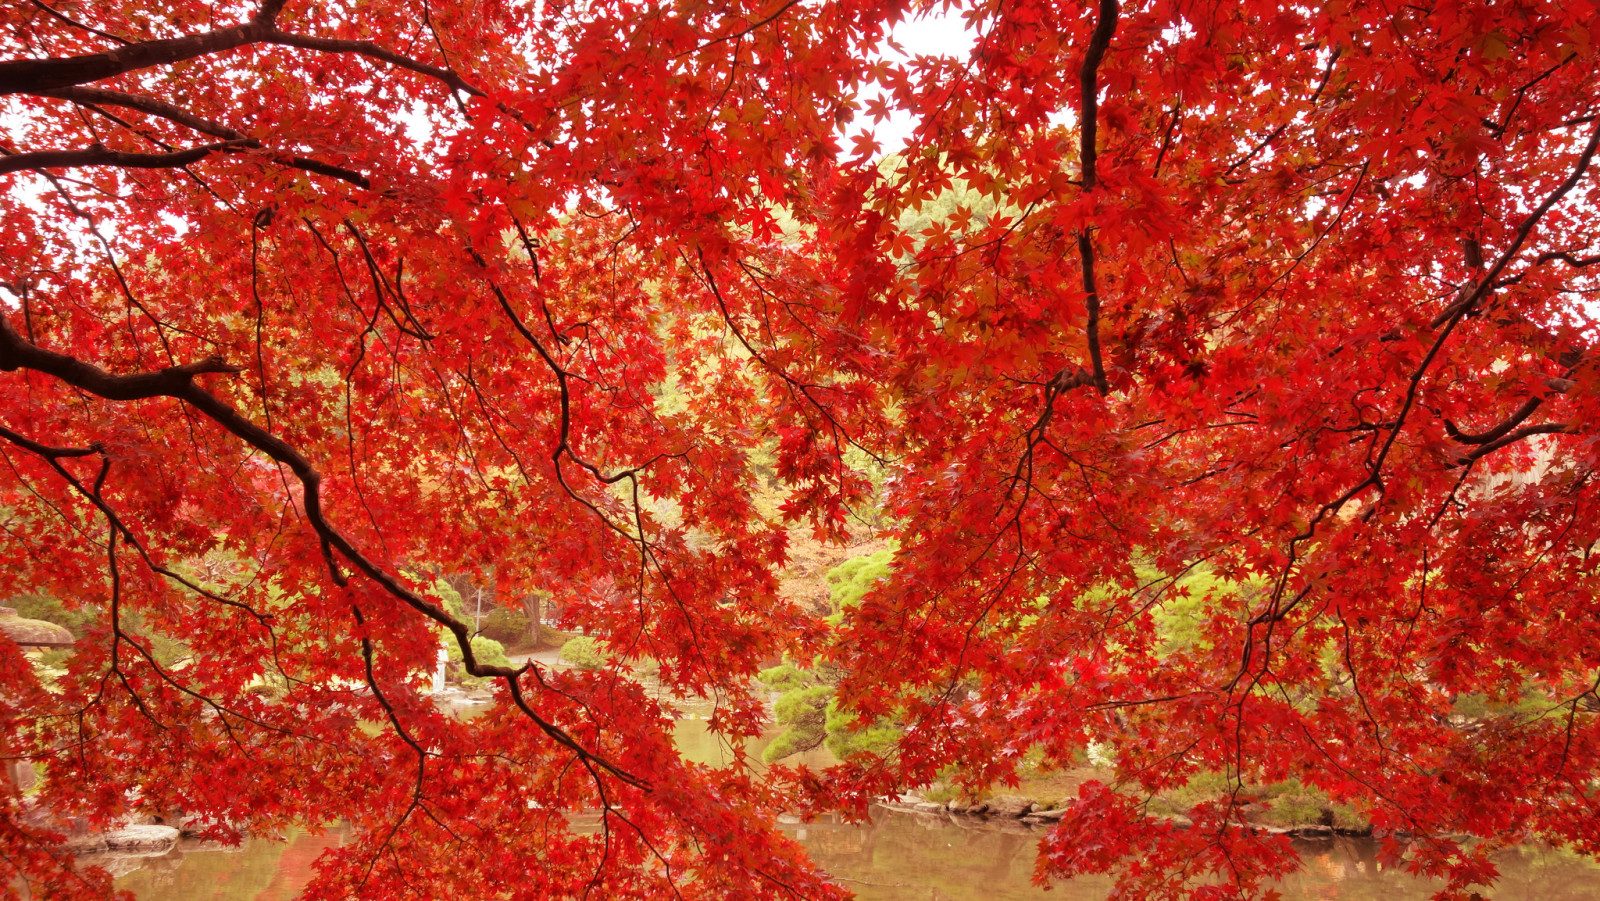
x=899, y=856
x=902, y=857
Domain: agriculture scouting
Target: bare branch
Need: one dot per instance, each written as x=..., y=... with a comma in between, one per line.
x=1105, y=26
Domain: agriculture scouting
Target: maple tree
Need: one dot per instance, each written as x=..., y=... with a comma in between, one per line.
x=309, y=304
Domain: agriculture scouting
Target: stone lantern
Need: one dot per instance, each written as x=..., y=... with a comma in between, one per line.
x=29, y=634
x=32, y=633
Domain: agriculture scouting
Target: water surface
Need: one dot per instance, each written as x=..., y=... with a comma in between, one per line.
x=906, y=857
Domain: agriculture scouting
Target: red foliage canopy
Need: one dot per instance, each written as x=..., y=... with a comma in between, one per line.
x=306, y=303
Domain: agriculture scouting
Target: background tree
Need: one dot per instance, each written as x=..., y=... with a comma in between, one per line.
x=347, y=295
x=302, y=299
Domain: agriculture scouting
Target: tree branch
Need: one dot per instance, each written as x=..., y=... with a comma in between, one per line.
x=372, y=51
x=233, y=141
x=38, y=76
x=161, y=108
x=98, y=155
x=1498, y=431
x=1105, y=27
x=178, y=382
x=31, y=76
x=1092, y=301
x=1549, y=428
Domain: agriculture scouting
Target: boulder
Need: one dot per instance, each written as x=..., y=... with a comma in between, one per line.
x=141, y=841
x=1312, y=832
x=1010, y=806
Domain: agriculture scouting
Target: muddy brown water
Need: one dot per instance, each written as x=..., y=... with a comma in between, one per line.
x=905, y=857
x=897, y=857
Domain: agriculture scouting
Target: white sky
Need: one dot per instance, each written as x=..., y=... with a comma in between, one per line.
x=936, y=34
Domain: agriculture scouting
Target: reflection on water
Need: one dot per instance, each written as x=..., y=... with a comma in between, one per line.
x=898, y=857
x=904, y=857
x=258, y=870
x=912, y=857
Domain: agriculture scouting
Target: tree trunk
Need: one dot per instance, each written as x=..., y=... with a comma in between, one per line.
x=533, y=606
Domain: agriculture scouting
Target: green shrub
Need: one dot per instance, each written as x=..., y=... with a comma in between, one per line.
x=783, y=677
x=51, y=610
x=505, y=625
x=803, y=710
x=487, y=650
x=584, y=652
x=793, y=741
x=852, y=578
x=844, y=740
x=804, y=706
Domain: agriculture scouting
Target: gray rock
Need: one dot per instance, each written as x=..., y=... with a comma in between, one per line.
x=141, y=840
x=1314, y=832
x=1010, y=806
x=929, y=807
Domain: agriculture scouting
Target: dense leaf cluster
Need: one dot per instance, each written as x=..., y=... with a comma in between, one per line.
x=1224, y=375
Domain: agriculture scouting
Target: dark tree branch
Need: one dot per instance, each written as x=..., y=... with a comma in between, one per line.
x=1563, y=256
x=373, y=51
x=32, y=76
x=40, y=160
x=178, y=382
x=62, y=17
x=1549, y=428
x=1498, y=431
x=1452, y=315
x=1105, y=27
x=161, y=108
x=102, y=156
x=1092, y=302
x=38, y=76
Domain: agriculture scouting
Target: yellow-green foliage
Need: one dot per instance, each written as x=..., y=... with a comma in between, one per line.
x=804, y=711
x=783, y=677
x=487, y=650
x=453, y=604
x=807, y=707
x=844, y=740
x=851, y=579
x=1182, y=608
x=584, y=652
x=51, y=610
